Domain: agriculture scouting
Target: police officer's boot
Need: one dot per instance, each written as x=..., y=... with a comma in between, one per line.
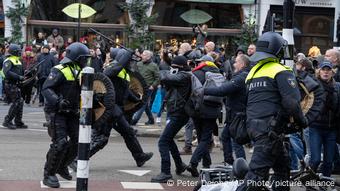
x=50, y=179
x=69, y=157
x=18, y=118
x=53, y=160
x=8, y=123
x=63, y=172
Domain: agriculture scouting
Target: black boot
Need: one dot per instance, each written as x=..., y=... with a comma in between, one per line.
x=193, y=170
x=9, y=125
x=21, y=125
x=142, y=160
x=51, y=181
x=161, y=178
x=180, y=169
x=63, y=172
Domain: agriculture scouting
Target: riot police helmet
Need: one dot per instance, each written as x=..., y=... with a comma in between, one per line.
x=76, y=52
x=113, y=52
x=14, y=50
x=269, y=45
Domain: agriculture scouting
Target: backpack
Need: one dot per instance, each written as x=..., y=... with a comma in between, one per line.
x=197, y=96
x=213, y=80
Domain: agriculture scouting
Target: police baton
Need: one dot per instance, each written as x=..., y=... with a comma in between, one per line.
x=137, y=57
x=85, y=122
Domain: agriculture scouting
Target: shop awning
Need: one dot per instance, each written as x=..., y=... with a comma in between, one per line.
x=223, y=1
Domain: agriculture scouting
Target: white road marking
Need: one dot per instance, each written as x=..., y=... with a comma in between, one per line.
x=142, y=185
x=63, y=184
x=136, y=172
x=152, y=130
x=1, y=170
x=41, y=130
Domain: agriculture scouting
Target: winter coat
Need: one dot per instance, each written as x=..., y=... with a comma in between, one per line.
x=208, y=110
x=327, y=119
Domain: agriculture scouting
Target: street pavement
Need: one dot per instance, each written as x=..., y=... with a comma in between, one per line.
x=23, y=151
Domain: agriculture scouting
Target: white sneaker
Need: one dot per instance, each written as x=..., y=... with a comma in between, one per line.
x=217, y=141
x=158, y=120
x=251, y=150
x=194, y=142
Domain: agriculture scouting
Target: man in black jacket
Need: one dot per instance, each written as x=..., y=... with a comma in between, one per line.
x=204, y=120
x=235, y=90
x=178, y=81
x=47, y=62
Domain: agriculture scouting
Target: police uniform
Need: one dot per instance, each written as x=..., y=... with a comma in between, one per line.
x=13, y=72
x=61, y=91
x=273, y=99
x=120, y=79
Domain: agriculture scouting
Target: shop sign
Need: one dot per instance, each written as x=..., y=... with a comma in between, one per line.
x=308, y=3
x=223, y=1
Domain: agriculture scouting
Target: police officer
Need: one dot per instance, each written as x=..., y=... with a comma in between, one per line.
x=61, y=91
x=273, y=99
x=13, y=72
x=116, y=71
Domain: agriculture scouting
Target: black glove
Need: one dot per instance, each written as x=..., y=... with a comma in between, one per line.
x=303, y=123
x=64, y=104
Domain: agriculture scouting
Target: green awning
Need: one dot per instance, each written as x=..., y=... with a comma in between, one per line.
x=223, y=1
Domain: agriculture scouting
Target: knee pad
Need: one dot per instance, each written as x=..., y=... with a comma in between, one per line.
x=60, y=144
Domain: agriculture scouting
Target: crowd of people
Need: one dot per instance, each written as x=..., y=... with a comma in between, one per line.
x=279, y=104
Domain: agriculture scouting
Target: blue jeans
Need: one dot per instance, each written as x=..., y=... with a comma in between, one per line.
x=146, y=107
x=204, y=128
x=322, y=138
x=189, y=128
x=163, y=92
x=229, y=145
x=1, y=86
x=167, y=144
x=296, y=151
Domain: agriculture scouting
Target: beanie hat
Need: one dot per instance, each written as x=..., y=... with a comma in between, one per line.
x=180, y=60
x=28, y=48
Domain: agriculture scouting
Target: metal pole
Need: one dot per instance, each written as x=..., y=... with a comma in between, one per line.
x=288, y=31
x=85, y=122
x=79, y=17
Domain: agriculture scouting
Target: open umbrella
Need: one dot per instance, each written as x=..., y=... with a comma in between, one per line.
x=73, y=11
x=195, y=16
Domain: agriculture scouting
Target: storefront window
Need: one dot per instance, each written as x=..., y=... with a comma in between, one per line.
x=309, y=29
x=87, y=37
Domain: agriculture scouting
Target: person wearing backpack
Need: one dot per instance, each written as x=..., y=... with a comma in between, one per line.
x=204, y=113
x=273, y=101
x=235, y=90
x=178, y=83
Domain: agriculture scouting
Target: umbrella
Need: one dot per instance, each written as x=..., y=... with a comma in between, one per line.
x=73, y=11
x=195, y=16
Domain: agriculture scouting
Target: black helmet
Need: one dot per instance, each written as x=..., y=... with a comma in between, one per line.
x=76, y=52
x=269, y=45
x=14, y=50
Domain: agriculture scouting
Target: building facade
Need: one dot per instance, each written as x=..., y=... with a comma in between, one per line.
x=315, y=22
